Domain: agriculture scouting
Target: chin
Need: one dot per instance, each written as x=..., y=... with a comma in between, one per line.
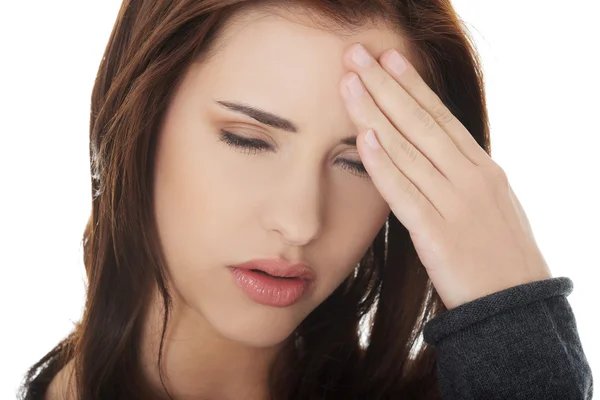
x=251, y=324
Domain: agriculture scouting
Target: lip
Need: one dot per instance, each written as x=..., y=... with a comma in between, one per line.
x=284, y=286
x=280, y=268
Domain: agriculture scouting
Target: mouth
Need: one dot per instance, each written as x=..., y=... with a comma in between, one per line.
x=271, y=290
x=274, y=276
x=279, y=269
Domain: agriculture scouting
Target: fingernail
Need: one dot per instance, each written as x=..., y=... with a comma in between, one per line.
x=355, y=86
x=371, y=139
x=396, y=62
x=361, y=56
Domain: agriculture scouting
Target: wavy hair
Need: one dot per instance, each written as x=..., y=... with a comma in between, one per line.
x=388, y=299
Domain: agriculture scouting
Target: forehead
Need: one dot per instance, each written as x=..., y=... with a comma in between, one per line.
x=286, y=64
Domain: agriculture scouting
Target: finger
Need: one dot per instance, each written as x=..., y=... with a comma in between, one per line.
x=405, y=158
x=406, y=201
x=411, y=120
x=408, y=77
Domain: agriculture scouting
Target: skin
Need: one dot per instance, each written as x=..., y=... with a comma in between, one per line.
x=218, y=206
x=466, y=223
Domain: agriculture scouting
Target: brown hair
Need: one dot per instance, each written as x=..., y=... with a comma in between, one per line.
x=152, y=44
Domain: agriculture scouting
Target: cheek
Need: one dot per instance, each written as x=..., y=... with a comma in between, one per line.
x=205, y=201
x=194, y=200
x=355, y=226
x=359, y=215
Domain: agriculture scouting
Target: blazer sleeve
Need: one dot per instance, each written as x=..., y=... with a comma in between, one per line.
x=518, y=343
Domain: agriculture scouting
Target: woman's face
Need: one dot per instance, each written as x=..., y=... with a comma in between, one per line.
x=299, y=198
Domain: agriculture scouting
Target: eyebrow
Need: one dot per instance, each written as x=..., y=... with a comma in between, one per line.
x=270, y=119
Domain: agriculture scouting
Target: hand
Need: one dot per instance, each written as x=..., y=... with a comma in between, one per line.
x=467, y=226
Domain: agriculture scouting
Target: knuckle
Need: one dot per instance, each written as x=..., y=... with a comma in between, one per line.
x=424, y=118
x=441, y=113
x=411, y=192
x=488, y=178
x=410, y=151
x=493, y=170
x=499, y=174
x=405, y=149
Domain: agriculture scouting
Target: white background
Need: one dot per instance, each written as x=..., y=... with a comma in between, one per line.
x=541, y=64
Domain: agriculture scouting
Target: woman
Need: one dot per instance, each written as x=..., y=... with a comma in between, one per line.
x=245, y=225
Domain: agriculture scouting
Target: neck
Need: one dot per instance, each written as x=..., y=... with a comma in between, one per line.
x=198, y=363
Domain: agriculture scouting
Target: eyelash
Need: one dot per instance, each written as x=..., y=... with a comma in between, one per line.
x=254, y=146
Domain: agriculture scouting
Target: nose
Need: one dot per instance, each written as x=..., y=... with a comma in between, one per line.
x=294, y=208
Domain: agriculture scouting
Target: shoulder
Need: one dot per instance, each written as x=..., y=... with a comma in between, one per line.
x=62, y=386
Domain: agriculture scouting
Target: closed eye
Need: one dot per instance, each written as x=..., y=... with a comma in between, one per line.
x=254, y=146
x=250, y=146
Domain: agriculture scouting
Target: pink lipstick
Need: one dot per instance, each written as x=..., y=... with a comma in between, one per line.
x=273, y=282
